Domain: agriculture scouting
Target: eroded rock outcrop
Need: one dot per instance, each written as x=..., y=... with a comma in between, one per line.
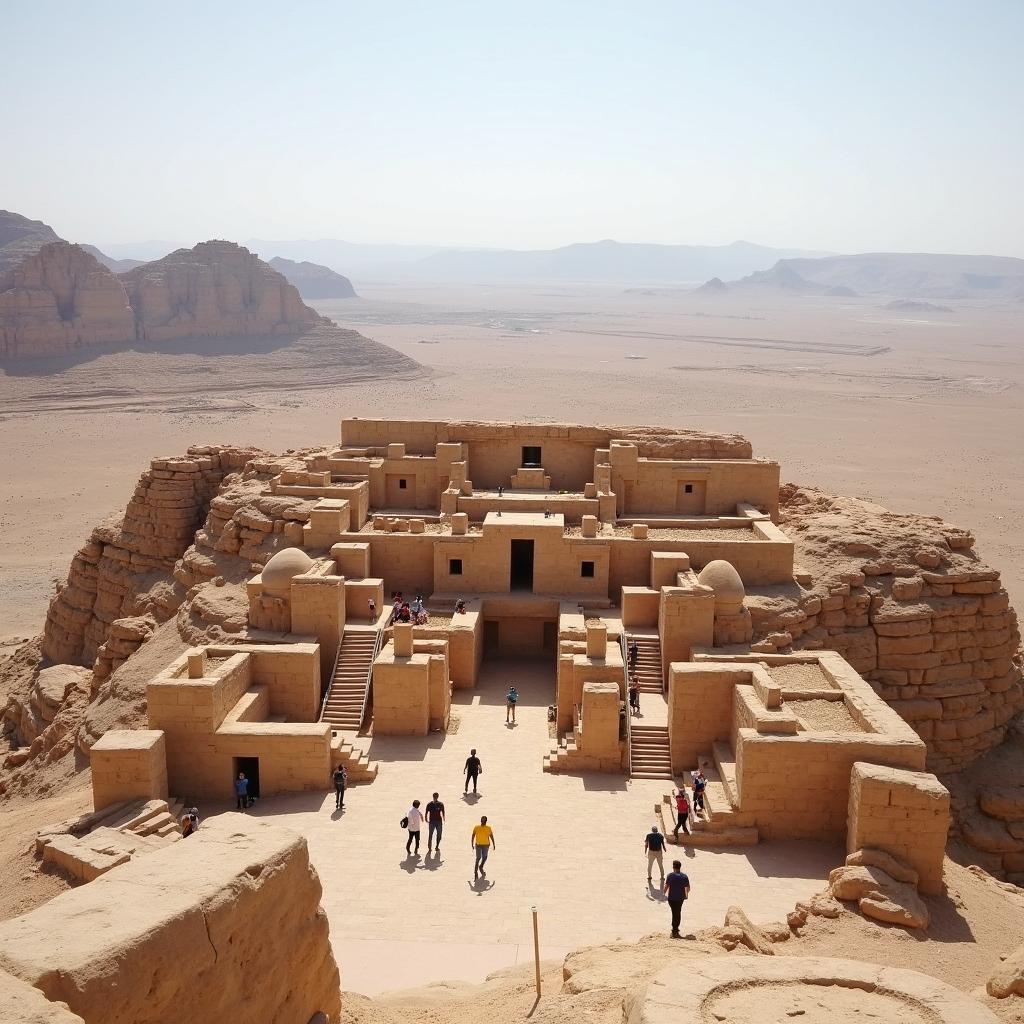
x=216, y=289
x=908, y=602
x=58, y=300
x=313, y=280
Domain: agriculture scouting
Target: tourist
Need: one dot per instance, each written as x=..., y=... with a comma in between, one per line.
x=472, y=770
x=460, y=607
x=634, y=697
x=676, y=887
x=417, y=605
x=189, y=822
x=435, y=823
x=633, y=655
x=404, y=614
x=654, y=844
x=372, y=605
x=340, y=782
x=700, y=783
x=422, y=618
x=414, y=820
x=242, y=791
x=511, y=699
x=481, y=841
x=682, y=812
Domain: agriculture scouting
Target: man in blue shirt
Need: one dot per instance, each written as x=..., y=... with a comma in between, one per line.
x=242, y=791
x=676, y=888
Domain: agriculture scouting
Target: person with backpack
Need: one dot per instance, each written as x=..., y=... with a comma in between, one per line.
x=340, y=778
x=699, y=785
x=413, y=822
x=634, y=697
x=472, y=770
x=677, y=888
x=682, y=812
x=654, y=844
x=482, y=839
x=242, y=791
x=511, y=699
x=435, y=823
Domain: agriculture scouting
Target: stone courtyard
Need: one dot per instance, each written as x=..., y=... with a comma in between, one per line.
x=570, y=844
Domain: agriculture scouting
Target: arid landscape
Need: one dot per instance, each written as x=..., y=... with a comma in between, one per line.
x=915, y=411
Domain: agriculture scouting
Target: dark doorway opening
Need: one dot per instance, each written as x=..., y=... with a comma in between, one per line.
x=531, y=455
x=250, y=767
x=491, y=637
x=550, y=637
x=522, y=565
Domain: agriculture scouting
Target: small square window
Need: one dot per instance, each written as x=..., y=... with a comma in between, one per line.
x=454, y=566
x=402, y=484
x=587, y=570
x=689, y=487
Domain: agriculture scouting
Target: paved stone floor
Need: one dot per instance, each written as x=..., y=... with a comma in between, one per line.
x=570, y=845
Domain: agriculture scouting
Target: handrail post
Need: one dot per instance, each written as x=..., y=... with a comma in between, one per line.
x=624, y=647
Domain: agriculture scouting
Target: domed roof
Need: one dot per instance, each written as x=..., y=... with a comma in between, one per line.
x=723, y=578
x=278, y=572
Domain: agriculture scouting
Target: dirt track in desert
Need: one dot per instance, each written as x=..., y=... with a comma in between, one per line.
x=920, y=412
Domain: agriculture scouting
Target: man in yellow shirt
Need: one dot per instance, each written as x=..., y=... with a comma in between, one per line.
x=482, y=840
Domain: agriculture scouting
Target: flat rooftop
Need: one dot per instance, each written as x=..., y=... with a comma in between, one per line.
x=553, y=519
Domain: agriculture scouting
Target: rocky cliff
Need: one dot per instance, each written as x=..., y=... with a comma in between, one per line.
x=59, y=299
x=314, y=281
x=216, y=289
x=21, y=238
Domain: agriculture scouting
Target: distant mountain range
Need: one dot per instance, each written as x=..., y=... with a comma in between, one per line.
x=314, y=281
x=912, y=276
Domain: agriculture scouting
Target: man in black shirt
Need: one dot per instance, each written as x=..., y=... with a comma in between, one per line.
x=435, y=822
x=340, y=782
x=654, y=844
x=676, y=888
x=472, y=769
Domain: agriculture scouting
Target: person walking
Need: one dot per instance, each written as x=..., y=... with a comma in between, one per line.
x=700, y=783
x=654, y=844
x=511, y=699
x=340, y=778
x=414, y=821
x=472, y=770
x=633, y=654
x=242, y=791
x=435, y=823
x=372, y=605
x=676, y=887
x=634, y=697
x=482, y=840
x=682, y=813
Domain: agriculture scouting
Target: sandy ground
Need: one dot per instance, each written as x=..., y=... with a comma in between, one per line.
x=921, y=412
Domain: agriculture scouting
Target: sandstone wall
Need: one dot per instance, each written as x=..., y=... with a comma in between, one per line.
x=61, y=299
x=224, y=927
x=120, y=583
x=910, y=605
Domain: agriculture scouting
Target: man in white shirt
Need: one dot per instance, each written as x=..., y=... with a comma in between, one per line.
x=415, y=821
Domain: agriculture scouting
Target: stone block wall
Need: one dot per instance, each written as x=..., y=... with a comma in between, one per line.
x=401, y=694
x=904, y=813
x=128, y=765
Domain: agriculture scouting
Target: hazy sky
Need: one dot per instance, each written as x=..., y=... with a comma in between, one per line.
x=839, y=125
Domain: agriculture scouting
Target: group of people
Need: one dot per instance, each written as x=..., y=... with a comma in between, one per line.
x=685, y=807
x=481, y=838
x=403, y=611
x=675, y=885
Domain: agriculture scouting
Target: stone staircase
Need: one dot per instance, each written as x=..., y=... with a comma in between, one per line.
x=648, y=663
x=723, y=823
x=649, y=754
x=356, y=762
x=560, y=759
x=91, y=844
x=346, y=698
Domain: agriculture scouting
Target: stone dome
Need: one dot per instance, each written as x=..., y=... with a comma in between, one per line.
x=278, y=573
x=725, y=581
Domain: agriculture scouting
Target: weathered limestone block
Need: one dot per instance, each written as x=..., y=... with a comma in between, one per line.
x=20, y=1003
x=228, y=922
x=1005, y=803
x=884, y=862
x=749, y=933
x=879, y=895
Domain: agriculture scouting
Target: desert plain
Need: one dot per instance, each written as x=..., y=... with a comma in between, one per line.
x=919, y=411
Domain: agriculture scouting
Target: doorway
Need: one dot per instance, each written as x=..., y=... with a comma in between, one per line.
x=250, y=767
x=521, y=576
x=531, y=455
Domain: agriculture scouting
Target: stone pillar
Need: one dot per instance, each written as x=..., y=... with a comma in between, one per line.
x=196, y=663
x=396, y=450
x=639, y=531
x=318, y=609
x=599, y=716
x=460, y=524
x=403, y=639
x=597, y=641
x=590, y=526
x=128, y=764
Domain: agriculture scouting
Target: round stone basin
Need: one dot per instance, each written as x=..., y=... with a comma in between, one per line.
x=807, y=1003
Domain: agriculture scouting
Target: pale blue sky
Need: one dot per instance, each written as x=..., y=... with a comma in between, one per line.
x=849, y=126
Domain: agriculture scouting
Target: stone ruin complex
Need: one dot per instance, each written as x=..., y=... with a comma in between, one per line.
x=818, y=660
